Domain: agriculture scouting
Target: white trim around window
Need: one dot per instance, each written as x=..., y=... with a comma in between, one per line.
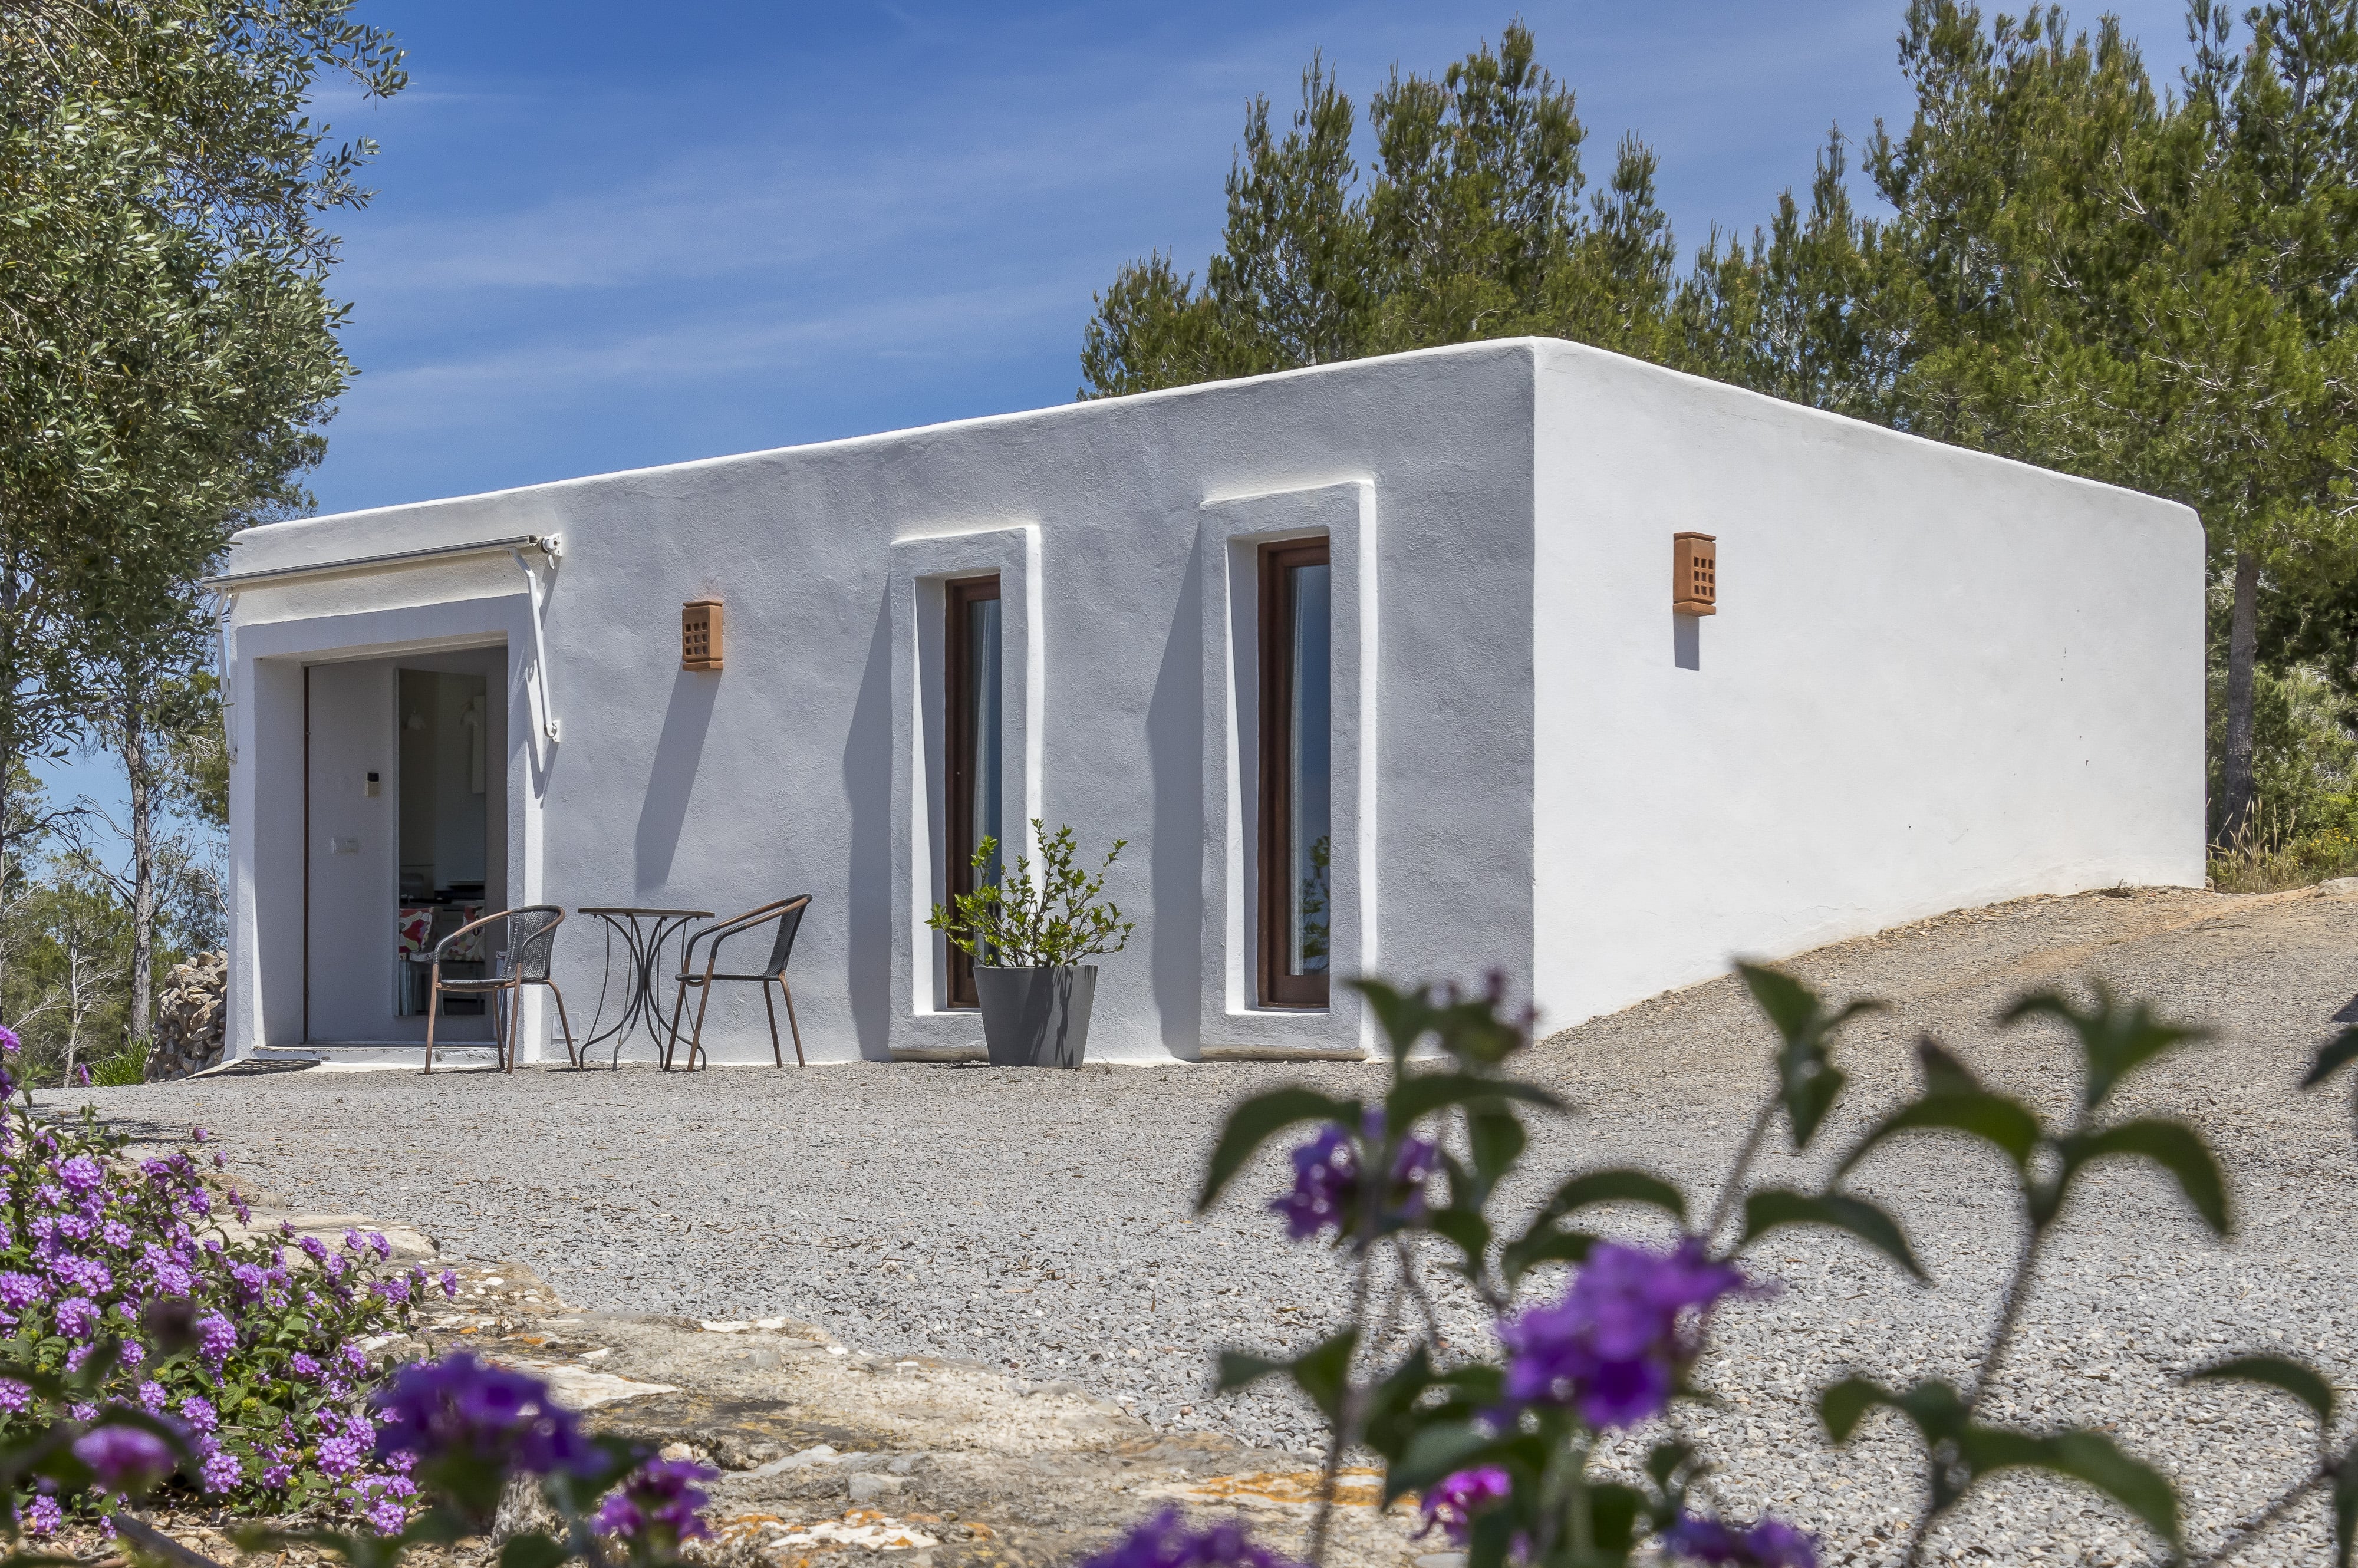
x=1230, y=534
x=920, y=566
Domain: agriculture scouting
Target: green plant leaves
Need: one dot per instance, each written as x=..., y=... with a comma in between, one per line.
x=1437, y=1453
x=2331, y=1057
x=1542, y=1240
x=2345, y=1509
x=1469, y=1029
x=1426, y=1092
x=2089, y=1457
x=1257, y=1120
x=1808, y=1083
x=1939, y=1415
x=1059, y=918
x=532, y=1550
x=2008, y=1125
x=2116, y=1040
x=1771, y=1208
x=2174, y=1146
x=2275, y=1372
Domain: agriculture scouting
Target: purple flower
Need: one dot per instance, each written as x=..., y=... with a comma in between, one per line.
x=86, y=1274
x=347, y=1447
x=1164, y=1540
x=393, y=1290
x=449, y=1283
x=80, y=1174
x=380, y=1245
x=221, y=1471
x=45, y=1516
x=14, y=1397
x=124, y=1458
x=1627, y=1330
x=198, y=1412
x=314, y=1246
x=302, y=1366
x=77, y=1317
x=657, y=1506
x=220, y=1159
x=198, y=1134
x=1451, y=1504
x=81, y=1075
x=460, y=1408
x=152, y=1397
x=1770, y=1543
x=216, y=1337
x=8, y=1040
x=1326, y=1180
x=18, y=1292
x=116, y=1233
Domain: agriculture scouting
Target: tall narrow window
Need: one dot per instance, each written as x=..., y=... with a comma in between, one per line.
x=1296, y=748
x=970, y=687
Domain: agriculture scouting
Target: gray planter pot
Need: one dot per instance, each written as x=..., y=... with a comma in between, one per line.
x=1036, y=1017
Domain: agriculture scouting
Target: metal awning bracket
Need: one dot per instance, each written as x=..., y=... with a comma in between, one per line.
x=550, y=546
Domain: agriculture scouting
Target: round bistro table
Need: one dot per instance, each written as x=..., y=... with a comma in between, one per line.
x=644, y=933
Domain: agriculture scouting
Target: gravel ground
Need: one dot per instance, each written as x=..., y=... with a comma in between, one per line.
x=1040, y=1221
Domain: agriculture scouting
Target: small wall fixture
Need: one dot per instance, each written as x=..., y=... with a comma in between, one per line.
x=699, y=634
x=1694, y=573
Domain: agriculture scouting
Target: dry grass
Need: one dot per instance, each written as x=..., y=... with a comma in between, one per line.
x=2270, y=854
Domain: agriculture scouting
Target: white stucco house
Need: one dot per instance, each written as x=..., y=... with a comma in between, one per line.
x=1378, y=668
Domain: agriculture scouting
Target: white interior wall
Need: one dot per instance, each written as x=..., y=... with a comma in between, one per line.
x=1936, y=679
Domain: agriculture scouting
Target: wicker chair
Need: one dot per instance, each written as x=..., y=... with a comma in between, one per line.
x=527, y=938
x=788, y=915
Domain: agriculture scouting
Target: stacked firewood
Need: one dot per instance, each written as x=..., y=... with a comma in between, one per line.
x=190, y=1017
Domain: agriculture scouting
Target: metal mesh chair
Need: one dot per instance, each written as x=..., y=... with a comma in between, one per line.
x=526, y=940
x=788, y=914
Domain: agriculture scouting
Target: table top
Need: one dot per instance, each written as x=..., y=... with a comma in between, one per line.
x=624, y=909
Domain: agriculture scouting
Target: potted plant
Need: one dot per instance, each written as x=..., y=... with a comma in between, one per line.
x=1027, y=939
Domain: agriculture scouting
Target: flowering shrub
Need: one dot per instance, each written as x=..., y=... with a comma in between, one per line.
x=1500, y=1448
x=468, y=1430
x=119, y=1286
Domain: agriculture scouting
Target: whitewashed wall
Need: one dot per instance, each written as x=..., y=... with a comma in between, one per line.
x=778, y=774
x=1936, y=679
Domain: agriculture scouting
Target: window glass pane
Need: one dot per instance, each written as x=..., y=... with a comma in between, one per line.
x=1308, y=834
x=982, y=633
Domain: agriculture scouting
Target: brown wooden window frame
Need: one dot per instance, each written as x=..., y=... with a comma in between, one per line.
x=1277, y=986
x=959, y=781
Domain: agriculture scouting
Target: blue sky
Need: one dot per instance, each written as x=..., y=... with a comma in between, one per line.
x=610, y=235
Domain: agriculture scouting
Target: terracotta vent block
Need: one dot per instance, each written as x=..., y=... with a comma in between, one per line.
x=699, y=634
x=1694, y=573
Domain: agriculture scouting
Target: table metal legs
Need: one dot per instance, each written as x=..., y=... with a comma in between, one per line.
x=642, y=1009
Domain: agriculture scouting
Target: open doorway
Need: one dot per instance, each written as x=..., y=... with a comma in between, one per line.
x=406, y=770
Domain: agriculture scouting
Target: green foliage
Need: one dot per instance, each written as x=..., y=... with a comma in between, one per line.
x=1468, y=225
x=1439, y=1418
x=1061, y=918
x=2077, y=270
x=127, y=1066
x=256, y=1345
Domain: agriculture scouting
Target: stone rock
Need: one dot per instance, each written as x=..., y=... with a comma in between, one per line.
x=192, y=1016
